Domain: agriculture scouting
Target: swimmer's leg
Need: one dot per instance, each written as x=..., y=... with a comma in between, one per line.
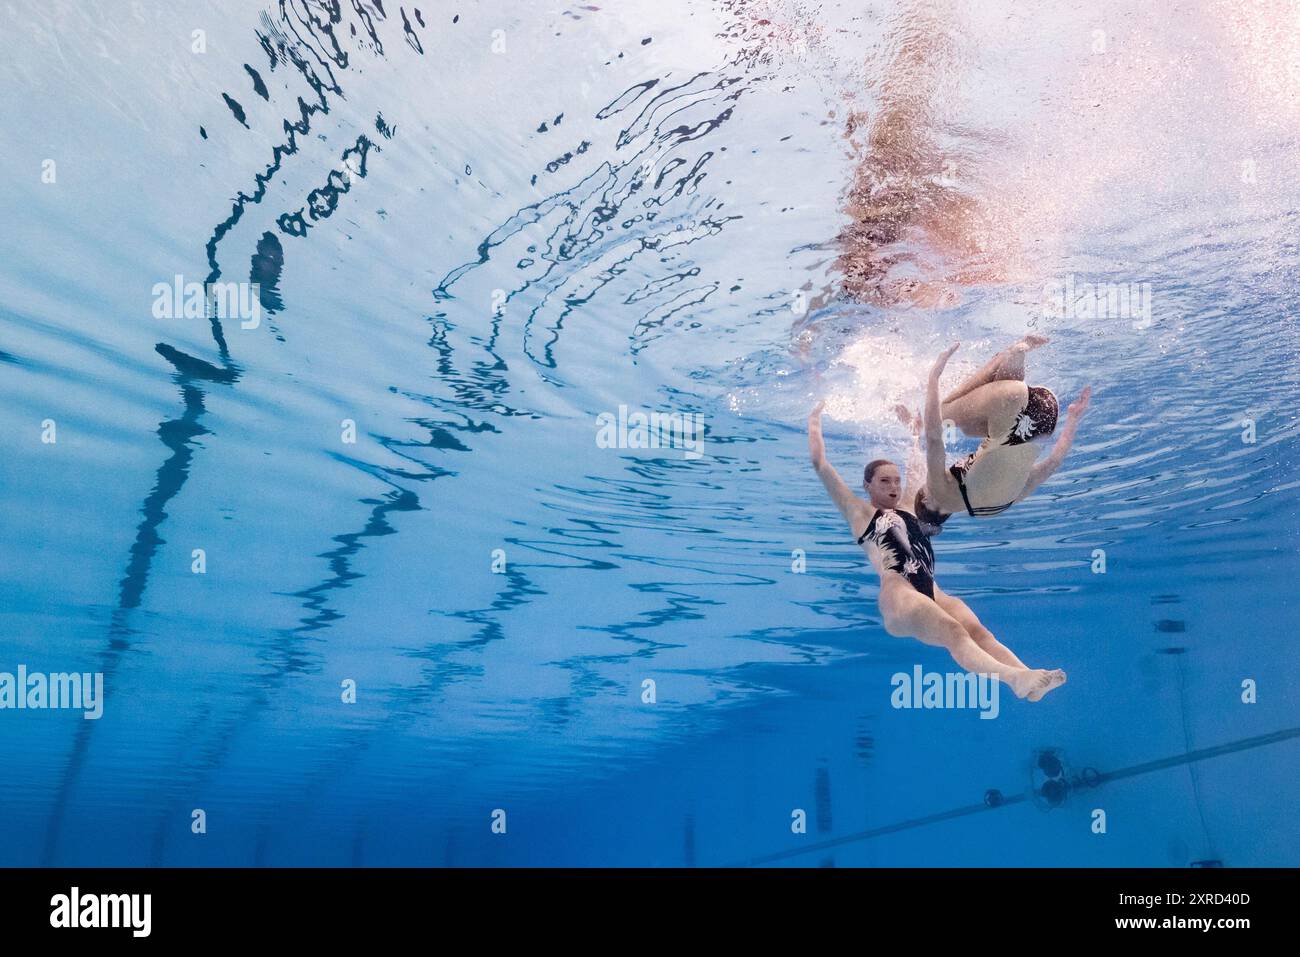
x=1007, y=364
x=908, y=613
x=959, y=610
x=990, y=410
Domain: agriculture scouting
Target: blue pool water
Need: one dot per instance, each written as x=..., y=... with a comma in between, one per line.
x=475, y=228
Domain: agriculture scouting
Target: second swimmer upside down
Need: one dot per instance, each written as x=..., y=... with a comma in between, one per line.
x=912, y=605
x=1013, y=419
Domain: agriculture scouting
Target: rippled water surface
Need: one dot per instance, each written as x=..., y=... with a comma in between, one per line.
x=475, y=228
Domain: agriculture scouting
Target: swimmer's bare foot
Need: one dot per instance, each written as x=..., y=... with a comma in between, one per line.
x=1033, y=683
x=1030, y=342
x=1055, y=678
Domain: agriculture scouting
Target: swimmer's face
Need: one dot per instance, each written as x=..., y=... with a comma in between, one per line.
x=886, y=486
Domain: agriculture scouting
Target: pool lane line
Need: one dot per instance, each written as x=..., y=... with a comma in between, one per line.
x=1097, y=779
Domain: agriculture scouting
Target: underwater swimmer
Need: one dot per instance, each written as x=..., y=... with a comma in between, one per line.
x=911, y=603
x=996, y=405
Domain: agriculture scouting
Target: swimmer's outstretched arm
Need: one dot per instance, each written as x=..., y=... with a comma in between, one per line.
x=916, y=472
x=1043, y=469
x=935, y=456
x=855, y=511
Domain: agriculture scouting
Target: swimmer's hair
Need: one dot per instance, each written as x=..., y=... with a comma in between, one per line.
x=870, y=470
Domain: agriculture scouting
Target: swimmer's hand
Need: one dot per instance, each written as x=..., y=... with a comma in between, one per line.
x=1079, y=405
x=909, y=418
x=943, y=361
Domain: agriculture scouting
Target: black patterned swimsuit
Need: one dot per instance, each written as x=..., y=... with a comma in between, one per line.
x=904, y=547
x=1038, y=417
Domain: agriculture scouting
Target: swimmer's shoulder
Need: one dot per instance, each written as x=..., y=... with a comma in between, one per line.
x=864, y=513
